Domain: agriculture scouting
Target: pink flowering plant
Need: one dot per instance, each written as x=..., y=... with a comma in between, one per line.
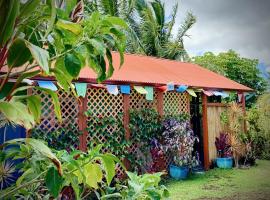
x=179, y=141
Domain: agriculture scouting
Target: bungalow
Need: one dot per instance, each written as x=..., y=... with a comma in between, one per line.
x=170, y=87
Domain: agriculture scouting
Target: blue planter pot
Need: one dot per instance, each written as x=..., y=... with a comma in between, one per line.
x=225, y=163
x=178, y=173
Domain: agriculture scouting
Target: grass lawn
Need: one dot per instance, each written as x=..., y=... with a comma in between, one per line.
x=249, y=184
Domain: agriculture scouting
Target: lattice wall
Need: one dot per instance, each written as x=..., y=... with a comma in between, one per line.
x=175, y=103
x=101, y=103
x=69, y=111
x=138, y=101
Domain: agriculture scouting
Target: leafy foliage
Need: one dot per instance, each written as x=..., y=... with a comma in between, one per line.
x=145, y=187
x=179, y=140
x=150, y=29
x=223, y=145
x=48, y=38
x=63, y=138
x=81, y=171
x=112, y=129
x=144, y=125
x=258, y=128
x=240, y=69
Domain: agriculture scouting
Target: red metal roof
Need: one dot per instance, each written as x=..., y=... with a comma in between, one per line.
x=139, y=69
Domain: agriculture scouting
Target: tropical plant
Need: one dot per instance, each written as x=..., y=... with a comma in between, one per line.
x=223, y=145
x=82, y=172
x=113, y=132
x=145, y=125
x=240, y=69
x=179, y=141
x=235, y=127
x=62, y=138
x=150, y=30
x=51, y=38
x=258, y=127
x=144, y=187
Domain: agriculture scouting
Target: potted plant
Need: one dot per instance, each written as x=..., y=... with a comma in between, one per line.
x=179, y=140
x=224, y=152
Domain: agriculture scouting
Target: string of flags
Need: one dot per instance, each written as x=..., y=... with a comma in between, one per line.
x=148, y=91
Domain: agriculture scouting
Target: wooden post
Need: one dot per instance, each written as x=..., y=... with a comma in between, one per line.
x=160, y=102
x=82, y=122
x=126, y=115
x=205, y=132
x=243, y=101
x=188, y=103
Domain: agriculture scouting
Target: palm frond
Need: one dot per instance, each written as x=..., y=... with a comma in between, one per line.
x=189, y=21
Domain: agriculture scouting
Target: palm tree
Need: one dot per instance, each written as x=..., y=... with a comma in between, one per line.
x=150, y=30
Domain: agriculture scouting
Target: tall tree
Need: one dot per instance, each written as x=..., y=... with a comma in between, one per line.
x=150, y=29
x=232, y=65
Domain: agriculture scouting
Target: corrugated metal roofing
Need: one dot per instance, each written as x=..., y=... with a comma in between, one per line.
x=138, y=69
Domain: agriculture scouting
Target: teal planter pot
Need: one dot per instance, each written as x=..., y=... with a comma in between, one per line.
x=225, y=163
x=178, y=173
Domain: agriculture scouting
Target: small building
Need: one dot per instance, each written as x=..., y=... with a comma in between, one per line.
x=157, y=73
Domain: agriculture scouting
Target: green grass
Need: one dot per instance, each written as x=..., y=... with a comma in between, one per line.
x=252, y=183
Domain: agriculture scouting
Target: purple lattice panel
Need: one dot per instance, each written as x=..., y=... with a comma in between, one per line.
x=175, y=103
x=138, y=101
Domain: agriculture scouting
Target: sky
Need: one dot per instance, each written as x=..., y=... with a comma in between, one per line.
x=241, y=25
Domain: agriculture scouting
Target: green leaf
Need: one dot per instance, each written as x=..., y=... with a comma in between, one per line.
x=27, y=75
x=9, y=11
x=34, y=105
x=117, y=21
x=111, y=68
x=55, y=101
x=18, y=53
x=98, y=45
x=70, y=26
x=93, y=174
x=19, y=89
x=17, y=113
x=28, y=7
x=40, y=55
x=72, y=64
x=109, y=167
x=54, y=182
x=8, y=110
x=52, y=19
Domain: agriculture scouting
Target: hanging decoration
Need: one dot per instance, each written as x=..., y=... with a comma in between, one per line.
x=112, y=89
x=182, y=88
x=48, y=85
x=150, y=93
x=217, y=93
x=240, y=95
x=81, y=89
x=140, y=89
x=208, y=93
x=170, y=86
x=125, y=89
x=225, y=94
x=98, y=86
x=28, y=81
x=162, y=88
x=191, y=92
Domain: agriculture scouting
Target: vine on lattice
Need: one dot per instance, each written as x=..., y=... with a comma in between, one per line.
x=69, y=111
